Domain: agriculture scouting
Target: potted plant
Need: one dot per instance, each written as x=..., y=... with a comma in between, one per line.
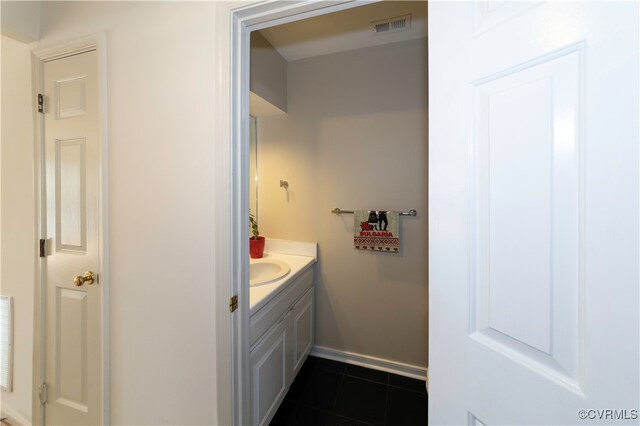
x=256, y=242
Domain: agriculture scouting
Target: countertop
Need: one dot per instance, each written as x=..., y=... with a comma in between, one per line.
x=261, y=294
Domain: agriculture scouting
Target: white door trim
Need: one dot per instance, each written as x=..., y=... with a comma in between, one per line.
x=41, y=55
x=231, y=260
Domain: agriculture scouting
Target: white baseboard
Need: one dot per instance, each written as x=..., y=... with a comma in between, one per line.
x=14, y=418
x=374, y=363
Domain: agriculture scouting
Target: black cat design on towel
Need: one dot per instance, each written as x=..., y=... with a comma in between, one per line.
x=376, y=230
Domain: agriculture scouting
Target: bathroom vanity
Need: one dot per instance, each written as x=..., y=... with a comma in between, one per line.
x=281, y=326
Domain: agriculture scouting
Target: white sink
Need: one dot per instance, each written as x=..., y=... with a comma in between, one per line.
x=265, y=271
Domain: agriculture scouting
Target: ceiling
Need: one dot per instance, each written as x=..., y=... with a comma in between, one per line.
x=346, y=30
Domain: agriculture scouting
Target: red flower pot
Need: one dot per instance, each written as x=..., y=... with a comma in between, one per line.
x=256, y=247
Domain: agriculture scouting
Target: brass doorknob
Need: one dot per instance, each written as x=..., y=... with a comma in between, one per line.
x=87, y=278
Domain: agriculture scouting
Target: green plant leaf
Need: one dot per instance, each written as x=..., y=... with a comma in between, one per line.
x=254, y=226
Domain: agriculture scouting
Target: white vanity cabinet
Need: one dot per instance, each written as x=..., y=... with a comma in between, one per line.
x=282, y=335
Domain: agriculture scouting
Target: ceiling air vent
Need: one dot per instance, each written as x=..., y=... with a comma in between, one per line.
x=392, y=25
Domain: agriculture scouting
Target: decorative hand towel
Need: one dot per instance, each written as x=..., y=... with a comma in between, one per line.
x=376, y=230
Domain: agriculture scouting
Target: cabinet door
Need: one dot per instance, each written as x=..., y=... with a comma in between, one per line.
x=302, y=330
x=269, y=376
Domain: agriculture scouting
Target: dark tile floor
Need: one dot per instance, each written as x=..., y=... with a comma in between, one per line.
x=328, y=392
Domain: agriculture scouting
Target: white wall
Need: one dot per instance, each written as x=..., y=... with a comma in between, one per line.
x=355, y=137
x=161, y=162
x=17, y=237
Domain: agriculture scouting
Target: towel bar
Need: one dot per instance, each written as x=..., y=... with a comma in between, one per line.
x=411, y=212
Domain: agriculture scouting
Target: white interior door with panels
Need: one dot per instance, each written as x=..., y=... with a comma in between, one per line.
x=533, y=166
x=73, y=330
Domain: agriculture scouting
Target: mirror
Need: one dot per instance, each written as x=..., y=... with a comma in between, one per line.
x=253, y=166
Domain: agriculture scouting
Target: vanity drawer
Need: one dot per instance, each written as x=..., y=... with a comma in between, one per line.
x=262, y=320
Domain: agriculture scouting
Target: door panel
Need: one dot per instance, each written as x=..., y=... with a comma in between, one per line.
x=269, y=375
x=73, y=328
x=71, y=348
x=533, y=162
x=302, y=315
x=527, y=192
x=71, y=212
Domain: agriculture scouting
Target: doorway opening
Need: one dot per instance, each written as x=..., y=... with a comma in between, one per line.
x=246, y=21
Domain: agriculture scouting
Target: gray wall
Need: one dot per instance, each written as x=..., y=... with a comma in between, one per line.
x=355, y=137
x=268, y=72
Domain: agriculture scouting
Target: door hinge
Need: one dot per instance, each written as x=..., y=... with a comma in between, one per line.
x=233, y=303
x=41, y=103
x=43, y=247
x=42, y=394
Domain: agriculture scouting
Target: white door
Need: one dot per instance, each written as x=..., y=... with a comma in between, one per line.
x=73, y=329
x=533, y=202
